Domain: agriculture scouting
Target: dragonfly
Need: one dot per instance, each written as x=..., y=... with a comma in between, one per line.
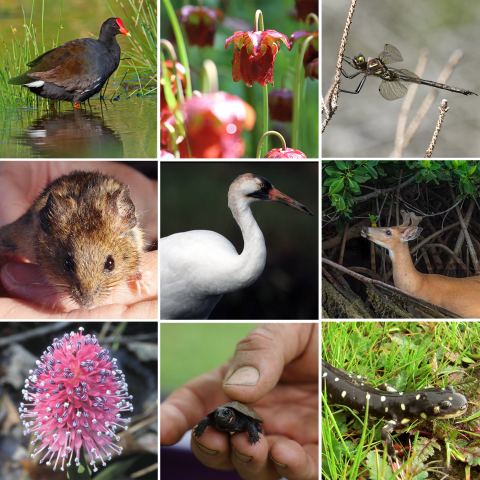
x=395, y=82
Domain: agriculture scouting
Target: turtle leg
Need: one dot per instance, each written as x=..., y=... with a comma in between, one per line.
x=202, y=425
x=252, y=430
x=259, y=427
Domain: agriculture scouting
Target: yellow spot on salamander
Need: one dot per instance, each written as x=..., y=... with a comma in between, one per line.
x=405, y=420
x=417, y=397
x=382, y=399
x=344, y=393
x=423, y=415
x=386, y=409
x=402, y=406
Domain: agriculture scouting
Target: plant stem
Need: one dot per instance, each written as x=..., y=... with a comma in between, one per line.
x=297, y=93
x=259, y=27
x=173, y=56
x=265, y=136
x=182, y=51
x=209, y=77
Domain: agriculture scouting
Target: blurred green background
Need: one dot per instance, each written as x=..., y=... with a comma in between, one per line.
x=194, y=197
x=278, y=15
x=365, y=125
x=188, y=350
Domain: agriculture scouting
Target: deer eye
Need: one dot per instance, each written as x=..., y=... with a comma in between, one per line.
x=388, y=232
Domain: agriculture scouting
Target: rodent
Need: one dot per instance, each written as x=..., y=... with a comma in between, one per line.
x=83, y=232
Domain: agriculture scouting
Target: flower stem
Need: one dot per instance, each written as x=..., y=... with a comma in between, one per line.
x=259, y=27
x=313, y=17
x=265, y=136
x=173, y=56
x=182, y=51
x=82, y=472
x=265, y=115
x=259, y=17
x=296, y=95
x=209, y=77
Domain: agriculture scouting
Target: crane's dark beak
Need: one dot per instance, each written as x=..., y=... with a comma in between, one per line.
x=276, y=196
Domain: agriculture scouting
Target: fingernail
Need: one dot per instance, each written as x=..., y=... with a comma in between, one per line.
x=205, y=449
x=278, y=463
x=23, y=273
x=242, y=458
x=243, y=376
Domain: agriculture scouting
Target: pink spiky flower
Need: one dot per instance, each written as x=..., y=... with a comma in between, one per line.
x=78, y=394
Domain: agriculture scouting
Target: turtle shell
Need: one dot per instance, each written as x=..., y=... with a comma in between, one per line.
x=247, y=411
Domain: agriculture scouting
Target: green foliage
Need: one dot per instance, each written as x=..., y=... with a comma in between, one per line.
x=342, y=178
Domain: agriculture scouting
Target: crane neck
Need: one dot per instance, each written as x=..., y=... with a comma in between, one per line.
x=251, y=261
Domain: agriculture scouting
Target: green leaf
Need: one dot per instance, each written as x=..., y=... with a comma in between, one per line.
x=335, y=188
x=329, y=181
x=472, y=170
x=354, y=186
x=115, y=470
x=333, y=172
x=361, y=178
x=341, y=164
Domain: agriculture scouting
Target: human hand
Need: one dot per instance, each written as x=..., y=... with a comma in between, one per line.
x=276, y=366
x=33, y=297
x=20, y=184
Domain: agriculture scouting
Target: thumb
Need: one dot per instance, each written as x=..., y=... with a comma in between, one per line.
x=260, y=358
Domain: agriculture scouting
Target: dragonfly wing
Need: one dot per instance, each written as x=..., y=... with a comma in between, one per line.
x=390, y=54
x=392, y=90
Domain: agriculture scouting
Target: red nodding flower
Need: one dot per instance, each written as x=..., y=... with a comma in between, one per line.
x=214, y=124
x=310, y=59
x=304, y=7
x=77, y=395
x=200, y=23
x=287, y=153
x=254, y=54
x=280, y=105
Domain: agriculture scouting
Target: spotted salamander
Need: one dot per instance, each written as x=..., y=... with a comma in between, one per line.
x=396, y=408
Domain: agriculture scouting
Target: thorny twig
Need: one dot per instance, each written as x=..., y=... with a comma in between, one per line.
x=330, y=104
x=443, y=110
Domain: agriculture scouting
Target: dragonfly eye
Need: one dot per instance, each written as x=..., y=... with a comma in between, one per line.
x=359, y=59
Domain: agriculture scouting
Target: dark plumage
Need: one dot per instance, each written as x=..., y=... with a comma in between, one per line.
x=77, y=69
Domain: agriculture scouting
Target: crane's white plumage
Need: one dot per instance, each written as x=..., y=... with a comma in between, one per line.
x=198, y=267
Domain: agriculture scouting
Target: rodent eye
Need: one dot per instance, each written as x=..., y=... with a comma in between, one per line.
x=69, y=263
x=109, y=264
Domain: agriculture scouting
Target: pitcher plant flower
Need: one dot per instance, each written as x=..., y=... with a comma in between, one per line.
x=200, y=23
x=310, y=57
x=254, y=54
x=285, y=153
x=78, y=394
x=280, y=104
x=214, y=124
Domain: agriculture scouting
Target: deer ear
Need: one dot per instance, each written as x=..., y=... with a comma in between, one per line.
x=411, y=233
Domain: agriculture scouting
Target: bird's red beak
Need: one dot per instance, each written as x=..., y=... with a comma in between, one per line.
x=122, y=28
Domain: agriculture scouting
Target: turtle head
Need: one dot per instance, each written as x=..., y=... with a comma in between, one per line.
x=224, y=416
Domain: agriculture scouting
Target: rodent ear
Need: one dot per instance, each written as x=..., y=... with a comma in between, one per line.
x=52, y=211
x=122, y=208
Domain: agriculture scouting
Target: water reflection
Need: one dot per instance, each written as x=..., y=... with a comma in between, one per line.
x=71, y=134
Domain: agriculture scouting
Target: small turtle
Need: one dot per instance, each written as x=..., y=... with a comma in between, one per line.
x=232, y=417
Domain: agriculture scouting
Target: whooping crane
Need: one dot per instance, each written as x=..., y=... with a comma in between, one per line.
x=198, y=267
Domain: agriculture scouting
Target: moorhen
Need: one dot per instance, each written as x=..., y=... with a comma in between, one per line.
x=77, y=69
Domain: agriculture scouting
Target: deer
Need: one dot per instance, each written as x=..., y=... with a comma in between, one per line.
x=458, y=295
